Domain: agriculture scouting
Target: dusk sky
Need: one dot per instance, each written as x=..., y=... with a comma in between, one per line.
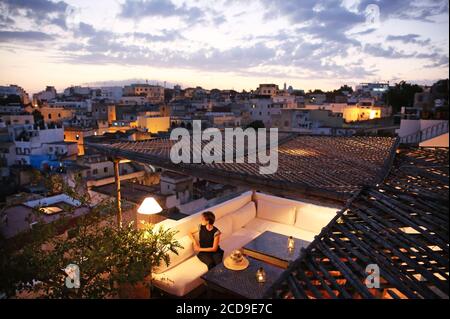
x=222, y=43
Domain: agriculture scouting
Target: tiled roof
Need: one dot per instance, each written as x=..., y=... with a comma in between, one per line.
x=402, y=226
x=316, y=164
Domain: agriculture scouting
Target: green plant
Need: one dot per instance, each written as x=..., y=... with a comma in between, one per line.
x=108, y=256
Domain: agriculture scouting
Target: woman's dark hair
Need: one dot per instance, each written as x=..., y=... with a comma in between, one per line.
x=210, y=217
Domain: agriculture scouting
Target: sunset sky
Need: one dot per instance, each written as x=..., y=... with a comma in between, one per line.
x=222, y=43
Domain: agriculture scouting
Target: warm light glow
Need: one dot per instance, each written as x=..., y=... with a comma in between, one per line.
x=373, y=114
x=291, y=243
x=261, y=275
x=149, y=207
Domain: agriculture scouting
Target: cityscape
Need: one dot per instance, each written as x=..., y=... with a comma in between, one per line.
x=152, y=149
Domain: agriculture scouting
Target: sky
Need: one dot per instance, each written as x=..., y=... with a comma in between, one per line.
x=225, y=44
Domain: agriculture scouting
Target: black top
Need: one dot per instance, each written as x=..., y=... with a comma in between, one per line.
x=206, y=237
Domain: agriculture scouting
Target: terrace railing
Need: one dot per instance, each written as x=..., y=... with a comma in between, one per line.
x=425, y=134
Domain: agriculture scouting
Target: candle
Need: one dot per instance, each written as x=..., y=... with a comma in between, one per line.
x=291, y=243
x=261, y=275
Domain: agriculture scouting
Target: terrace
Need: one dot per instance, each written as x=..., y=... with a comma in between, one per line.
x=348, y=203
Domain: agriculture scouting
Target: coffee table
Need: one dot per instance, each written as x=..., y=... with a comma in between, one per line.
x=241, y=283
x=272, y=248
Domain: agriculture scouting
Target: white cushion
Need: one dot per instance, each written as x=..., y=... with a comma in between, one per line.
x=183, y=254
x=313, y=218
x=185, y=225
x=237, y=240
x=231, y=205
x=276, y=212
x=243, y=215
x=225, y=225
x=183, y=278
x=262, y=225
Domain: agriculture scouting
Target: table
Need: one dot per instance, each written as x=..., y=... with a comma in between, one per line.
x=272, y=248
x=241, y=283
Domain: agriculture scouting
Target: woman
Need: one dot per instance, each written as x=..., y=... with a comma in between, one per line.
x=207, y=248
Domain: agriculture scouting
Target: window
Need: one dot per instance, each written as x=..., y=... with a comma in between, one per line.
x=49, y=116
x=27, y=121
x=59, y=114
x=94, y=171
x=50, y=149
x=105, y=169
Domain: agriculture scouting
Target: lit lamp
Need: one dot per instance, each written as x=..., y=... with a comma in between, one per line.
x=291, y=243
x=149, y=207
x=261, y=275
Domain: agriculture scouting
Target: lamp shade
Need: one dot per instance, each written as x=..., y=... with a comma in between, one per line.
x=149, y=207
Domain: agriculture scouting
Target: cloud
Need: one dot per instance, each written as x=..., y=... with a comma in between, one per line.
x=324, y=20
x=24, y=36
x=423, y=10
x=41, y=12
x=389, y=52
x=138, y=9
x=408, y=38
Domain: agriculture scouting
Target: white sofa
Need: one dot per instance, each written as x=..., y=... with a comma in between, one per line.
x=240, y=220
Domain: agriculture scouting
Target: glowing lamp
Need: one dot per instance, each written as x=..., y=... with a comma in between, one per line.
x=149, y=207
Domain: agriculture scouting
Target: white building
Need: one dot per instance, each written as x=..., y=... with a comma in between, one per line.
x=32, y=140
x=263, y=110
x=85, y=105
x=15, y=90
x=47, y=95
x=113, y=93
x=223, y=119
x=77, y=90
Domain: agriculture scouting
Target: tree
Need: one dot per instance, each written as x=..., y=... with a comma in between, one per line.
x=38, y=118
x=108, y=257
x=344, y=88
x=402, y=94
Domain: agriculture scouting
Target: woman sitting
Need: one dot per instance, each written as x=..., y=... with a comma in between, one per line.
x=208, y=250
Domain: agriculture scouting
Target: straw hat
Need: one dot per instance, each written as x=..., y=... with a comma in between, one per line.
x=236, y=261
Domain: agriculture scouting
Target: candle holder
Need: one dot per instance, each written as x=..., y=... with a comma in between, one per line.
x=291, y=243
x=261, y=275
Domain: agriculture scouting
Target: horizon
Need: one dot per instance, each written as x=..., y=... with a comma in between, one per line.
x=311, y=45
x=123, y=83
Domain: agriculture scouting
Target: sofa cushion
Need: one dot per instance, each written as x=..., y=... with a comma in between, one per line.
x=225, y=225
x=183, y=254
x=243, y=215
x=276, y=212
x=231, y=205
x=238, y=239
x=313, y=218
x=183, y=278
x=262, y=225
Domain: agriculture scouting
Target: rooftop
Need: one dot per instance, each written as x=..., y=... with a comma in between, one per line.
x=330, y=167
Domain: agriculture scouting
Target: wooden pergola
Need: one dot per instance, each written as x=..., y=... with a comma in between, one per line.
x=402, y=226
